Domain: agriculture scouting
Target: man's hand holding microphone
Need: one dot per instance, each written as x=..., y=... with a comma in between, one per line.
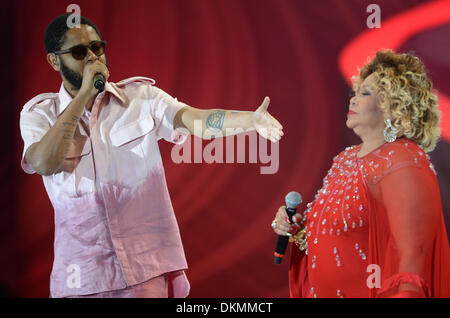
x=93, y=73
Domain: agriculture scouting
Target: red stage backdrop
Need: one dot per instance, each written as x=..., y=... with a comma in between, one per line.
x=209, y=53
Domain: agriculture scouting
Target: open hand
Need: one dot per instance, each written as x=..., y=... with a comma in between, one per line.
x=265, y=124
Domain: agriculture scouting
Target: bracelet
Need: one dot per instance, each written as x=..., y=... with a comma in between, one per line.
x=300, y=239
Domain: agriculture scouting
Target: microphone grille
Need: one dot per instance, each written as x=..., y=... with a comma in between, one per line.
x=293, y=199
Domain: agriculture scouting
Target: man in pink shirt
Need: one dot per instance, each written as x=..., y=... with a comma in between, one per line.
x=116, y=234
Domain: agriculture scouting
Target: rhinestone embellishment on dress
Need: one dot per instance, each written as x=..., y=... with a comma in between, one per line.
x=341, y=208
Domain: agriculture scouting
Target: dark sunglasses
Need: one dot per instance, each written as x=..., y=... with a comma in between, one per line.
x=79, y=52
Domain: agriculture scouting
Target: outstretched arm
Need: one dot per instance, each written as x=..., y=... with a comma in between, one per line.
x=213, y=122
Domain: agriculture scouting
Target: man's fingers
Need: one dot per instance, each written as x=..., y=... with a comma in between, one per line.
x=266, y=102
x=279, y=130
x=272, y=138
x=275, y=135
x=275, y=122
x=264, y=105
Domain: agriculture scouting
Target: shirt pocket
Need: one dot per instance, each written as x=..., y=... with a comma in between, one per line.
x=131, y=132
x=130, y=144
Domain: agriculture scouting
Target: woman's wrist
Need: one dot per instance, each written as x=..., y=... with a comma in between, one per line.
x=299, y=238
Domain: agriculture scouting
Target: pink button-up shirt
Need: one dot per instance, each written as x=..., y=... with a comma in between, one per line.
x=114, y=222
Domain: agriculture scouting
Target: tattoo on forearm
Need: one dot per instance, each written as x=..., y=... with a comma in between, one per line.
x=215, y=120
x=69, y=128
x=67, y=134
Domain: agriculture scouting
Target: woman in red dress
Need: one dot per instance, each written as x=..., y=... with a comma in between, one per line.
x=376, y=228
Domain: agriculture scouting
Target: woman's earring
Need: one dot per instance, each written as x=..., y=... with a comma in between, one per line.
x=390, y=132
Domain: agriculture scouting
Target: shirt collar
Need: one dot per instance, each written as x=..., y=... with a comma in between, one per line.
x=65, y=99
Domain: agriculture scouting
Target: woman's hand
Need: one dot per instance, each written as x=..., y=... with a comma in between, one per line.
x=281, y=224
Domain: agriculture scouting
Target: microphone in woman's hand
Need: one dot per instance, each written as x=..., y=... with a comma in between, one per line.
x=293, y=200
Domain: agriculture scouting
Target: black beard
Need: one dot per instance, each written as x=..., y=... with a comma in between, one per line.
x=74, y=78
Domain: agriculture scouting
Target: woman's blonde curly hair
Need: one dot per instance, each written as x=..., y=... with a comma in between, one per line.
x=405, y=95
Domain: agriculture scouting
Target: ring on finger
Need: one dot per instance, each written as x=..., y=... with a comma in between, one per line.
x=274, y=224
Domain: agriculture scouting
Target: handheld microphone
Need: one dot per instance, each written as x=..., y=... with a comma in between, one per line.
x=99, y=82
x=293, y=200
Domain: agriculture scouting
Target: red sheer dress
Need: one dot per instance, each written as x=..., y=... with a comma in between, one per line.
x=375, y=229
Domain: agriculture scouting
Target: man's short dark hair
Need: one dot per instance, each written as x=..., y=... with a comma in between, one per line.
x=55, y=34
